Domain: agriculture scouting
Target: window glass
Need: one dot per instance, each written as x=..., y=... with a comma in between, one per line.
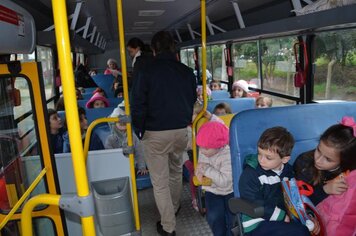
x=44, y=55
x=17, y=135
x=278, y=65
x=335, y=65
x=245, y=62
x=218, y=62
x=184, y=56
x=209, y=62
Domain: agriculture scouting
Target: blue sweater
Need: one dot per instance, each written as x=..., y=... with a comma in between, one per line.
x=263, y=187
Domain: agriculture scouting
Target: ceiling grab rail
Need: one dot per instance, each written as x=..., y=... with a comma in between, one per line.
x=205, y=103
x=127, y=111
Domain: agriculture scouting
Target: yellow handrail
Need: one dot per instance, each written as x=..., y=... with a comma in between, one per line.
x=26, y=219
x=127, y=110
x=65, y=63
x=90, y=130
x=23, y=197
x=205, y=104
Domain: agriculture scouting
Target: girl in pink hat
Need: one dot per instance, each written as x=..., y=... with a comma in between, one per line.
x=239, y=89
x=97, y=101
x=215, y=164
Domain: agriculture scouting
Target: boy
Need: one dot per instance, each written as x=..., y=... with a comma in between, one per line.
x=260, y=183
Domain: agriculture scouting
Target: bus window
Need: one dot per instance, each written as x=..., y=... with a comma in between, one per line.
x=218, y=63
x=335, y=65
x=184, y=56
x=278, y=65
x=245, y=61
x=44, y=55
x=17, y=136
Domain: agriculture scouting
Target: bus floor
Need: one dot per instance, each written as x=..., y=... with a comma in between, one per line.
x=189, y=222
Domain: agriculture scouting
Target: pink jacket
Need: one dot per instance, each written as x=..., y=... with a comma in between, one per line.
x=338, y=212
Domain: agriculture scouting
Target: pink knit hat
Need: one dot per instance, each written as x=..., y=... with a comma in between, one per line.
x=213, y=135
x=242, y=84
x=95, y=97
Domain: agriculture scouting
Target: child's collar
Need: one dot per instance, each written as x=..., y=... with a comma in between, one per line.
x=279, y=172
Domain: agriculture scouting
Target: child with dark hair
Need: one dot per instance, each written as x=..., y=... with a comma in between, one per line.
x=95, y=142
x=215, y=85
x=222, y=109
x=56, y=131
x=260, y=183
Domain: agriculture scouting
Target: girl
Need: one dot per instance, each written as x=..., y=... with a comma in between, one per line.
x=222, y=109
x=100, y=91
x=334, y=155
x=112, y=69
x=215, y=85
x=200, y=93
x=263, y=102
x=118, y=139
x=56, y=131
x=239, y=89
x=97, y=101
x=215, y=163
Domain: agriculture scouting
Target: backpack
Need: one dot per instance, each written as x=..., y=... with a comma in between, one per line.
x=298, y=205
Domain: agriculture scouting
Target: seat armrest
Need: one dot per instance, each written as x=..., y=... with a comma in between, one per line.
x=238, y=205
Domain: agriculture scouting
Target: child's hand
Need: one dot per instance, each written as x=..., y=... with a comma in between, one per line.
x=287, y=219
x=142, y=171
x=316, y=229
x=200, y=167
x=199, y=176
x=207, y=115
x=335, y=186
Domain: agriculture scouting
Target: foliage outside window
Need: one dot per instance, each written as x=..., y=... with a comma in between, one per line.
x=44, y=55
x=218, y=62
x=278, y=65
x=245, y=62
x=335, y=65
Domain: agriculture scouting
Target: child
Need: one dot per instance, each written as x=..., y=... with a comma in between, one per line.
x=222, y=109
x=112, y=68
x=263, y=102
x=335, y=154
x=100, y=91
x=200, y=93
x=95, y=142
x=215, y=163
x=97, y=101
x=260, y=183
x=215, y=85
x=56, y=131
x=239, y=89
x=118, y=139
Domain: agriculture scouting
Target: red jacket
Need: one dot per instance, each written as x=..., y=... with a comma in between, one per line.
x=339, y=211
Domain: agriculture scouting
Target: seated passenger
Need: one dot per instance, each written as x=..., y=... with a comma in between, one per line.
x=97, y=101
x=263, y=102
x=56, y=131
x=222, y=109
x=200, y=93
x=118, y=139
x=112, y=68
x=215, y=164
x=260, y=183
x=239, y=89
x=215, y=85
x=95, y=142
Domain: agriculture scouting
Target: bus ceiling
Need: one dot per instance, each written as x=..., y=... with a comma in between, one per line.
x=93, y=24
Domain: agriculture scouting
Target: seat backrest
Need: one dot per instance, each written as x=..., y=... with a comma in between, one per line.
x=105, y=82
x=96, y=113
x=220, y=94
x=237, y=105
x=305, y=122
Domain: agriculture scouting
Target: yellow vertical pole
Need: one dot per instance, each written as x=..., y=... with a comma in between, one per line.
x=127, y=111
x=70, y=102
x=203, y=58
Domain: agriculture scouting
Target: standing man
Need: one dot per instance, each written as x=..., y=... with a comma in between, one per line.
x=162, y=105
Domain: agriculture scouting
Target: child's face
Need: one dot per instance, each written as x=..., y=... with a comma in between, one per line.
x=98, y=104
x=121, y=127
x=112, y=65
x=209, y=152
x=55, y=122
x=326, y=158
x=220, y=112
x=238, y=92
x=215, y=86
x=83, y=123
x=270, y=160
x=262, y=103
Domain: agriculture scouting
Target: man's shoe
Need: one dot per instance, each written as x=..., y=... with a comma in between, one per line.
x=162, y=232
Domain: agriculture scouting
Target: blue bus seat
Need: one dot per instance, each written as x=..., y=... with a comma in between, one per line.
x=237, y=105
x=219, y=94
x=305, y=122
x=89, y=90
x=105, y=82
x=86, y=96
x=96, y=113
